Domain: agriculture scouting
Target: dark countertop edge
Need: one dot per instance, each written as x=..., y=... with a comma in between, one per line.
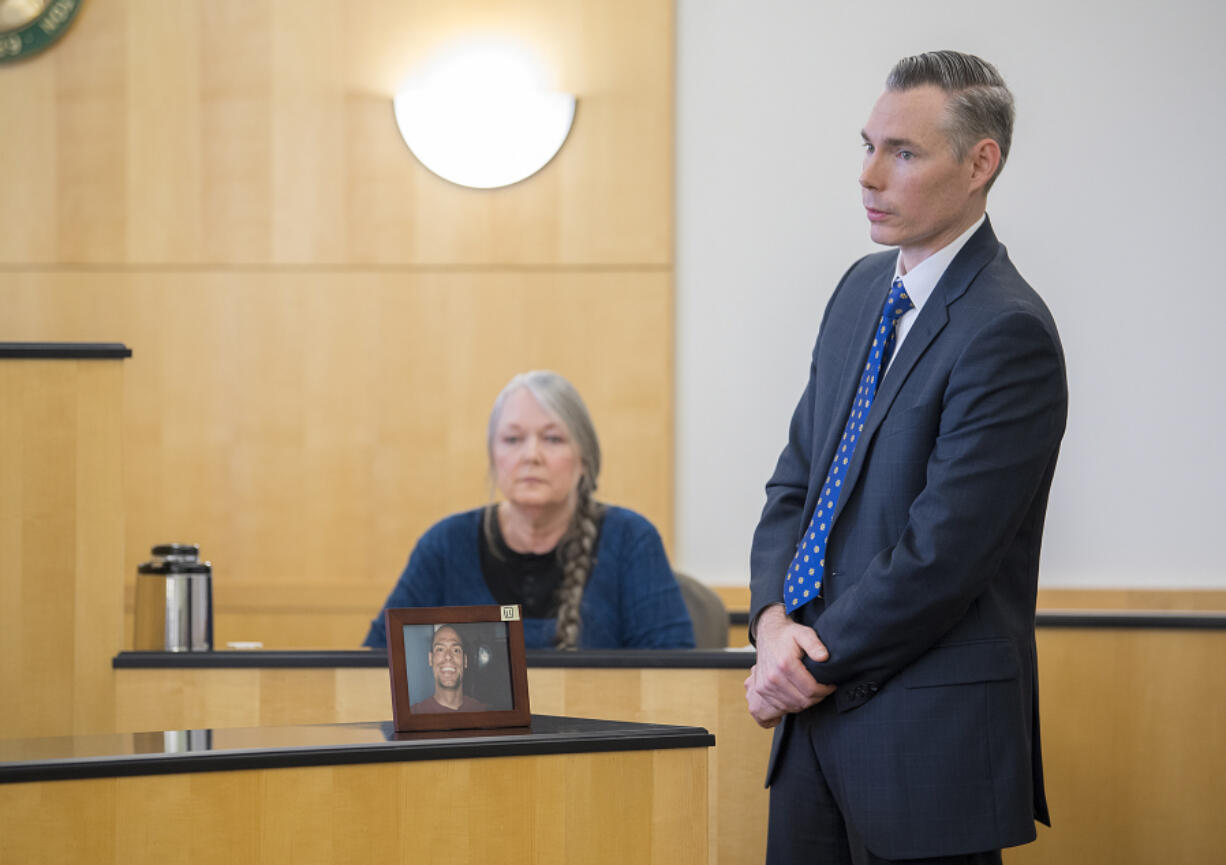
x=651, y=737
x=615, y=658
x=636, y=658
x=1179, y=620
x=63, y=350
x=1099, y=619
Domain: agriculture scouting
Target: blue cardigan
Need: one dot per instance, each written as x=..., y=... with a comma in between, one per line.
x=631, y=600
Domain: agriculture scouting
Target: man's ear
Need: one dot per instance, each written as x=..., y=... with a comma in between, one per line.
x=985, y=162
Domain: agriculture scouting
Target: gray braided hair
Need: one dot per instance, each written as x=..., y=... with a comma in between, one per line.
x=576, y=550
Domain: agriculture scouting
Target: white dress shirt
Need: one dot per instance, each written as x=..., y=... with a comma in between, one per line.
x=922, y=279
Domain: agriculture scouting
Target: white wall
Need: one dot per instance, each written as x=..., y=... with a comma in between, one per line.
x=1111, y=206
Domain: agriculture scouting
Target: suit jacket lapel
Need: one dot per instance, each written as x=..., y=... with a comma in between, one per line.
x=971, y=259
x=832, y=417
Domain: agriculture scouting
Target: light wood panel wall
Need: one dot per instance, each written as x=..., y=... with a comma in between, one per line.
x=1134, y=740
x=1201, y=600
x=1134, y=734
x=224, y=132
x=306, y=430
x=632, y=806
x=319, y=324
x=61, y=544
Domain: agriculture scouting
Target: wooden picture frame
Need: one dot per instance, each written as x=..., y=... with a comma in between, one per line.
x=484, y=685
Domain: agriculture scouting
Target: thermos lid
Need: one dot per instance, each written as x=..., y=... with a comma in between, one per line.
x=176, y=559
x=177, y=552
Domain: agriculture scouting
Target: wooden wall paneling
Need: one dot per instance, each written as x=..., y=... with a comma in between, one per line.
x=91, y=137
x=61, y=544
x=32, y=822
x=225, y=132
x=309, y=61
x=674, y=826
x=1132, y=599
x=607, y=196
x=236, y=111
x=173, y=699
x=550, y=809
x=98, y=543
x=319, y=322
x=29, y=215
x=734, y=597
x=38, y=511
x=306, y=428
x=1134, y=735
x=166, y=130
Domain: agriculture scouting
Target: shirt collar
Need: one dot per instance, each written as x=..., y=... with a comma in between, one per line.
x=922, y=279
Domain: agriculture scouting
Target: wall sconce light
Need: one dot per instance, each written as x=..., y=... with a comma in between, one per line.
x=480, y=118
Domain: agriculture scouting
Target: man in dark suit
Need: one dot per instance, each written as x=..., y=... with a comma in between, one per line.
x=895, y=566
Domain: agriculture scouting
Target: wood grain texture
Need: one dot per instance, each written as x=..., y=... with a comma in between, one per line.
x=177, y=699
x=319, y=323
x=1202, y=600
x=61, y=544
x=261, y=131
x=305, y=429
x=634, y=806
x=1134, y=738
x=1134, y=732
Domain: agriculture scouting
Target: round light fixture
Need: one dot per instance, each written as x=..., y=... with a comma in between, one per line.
x=480, y=120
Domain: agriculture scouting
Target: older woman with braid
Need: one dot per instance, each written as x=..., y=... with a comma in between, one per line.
x=588, y=575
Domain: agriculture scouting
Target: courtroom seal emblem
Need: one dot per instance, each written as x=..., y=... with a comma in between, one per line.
x=29, y=26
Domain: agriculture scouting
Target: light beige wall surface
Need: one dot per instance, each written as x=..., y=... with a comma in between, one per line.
x=318, y=323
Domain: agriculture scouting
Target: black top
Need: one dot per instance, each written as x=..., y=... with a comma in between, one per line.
x=175, y=751
x=700, y=659
x=64, y=350
x=529, y=579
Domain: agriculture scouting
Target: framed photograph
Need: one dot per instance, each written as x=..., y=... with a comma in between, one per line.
x=457, y=668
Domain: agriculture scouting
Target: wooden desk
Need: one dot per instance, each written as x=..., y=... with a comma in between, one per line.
x=568, y=791
x=225, y=689
x=61, y=534
x=1134, y=723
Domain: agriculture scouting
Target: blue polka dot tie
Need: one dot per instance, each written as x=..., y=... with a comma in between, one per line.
x=804, y=579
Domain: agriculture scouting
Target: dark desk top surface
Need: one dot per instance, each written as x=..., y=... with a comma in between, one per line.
x=612, y=658
x=177, y=751
x=64, y=350
x=639, y=658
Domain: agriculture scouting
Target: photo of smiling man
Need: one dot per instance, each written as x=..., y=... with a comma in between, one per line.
x=448, y=661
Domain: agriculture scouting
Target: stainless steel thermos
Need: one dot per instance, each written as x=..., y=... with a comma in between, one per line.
x=174, y=601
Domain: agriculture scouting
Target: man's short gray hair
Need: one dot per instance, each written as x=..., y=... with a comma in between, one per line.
x=980, y=104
